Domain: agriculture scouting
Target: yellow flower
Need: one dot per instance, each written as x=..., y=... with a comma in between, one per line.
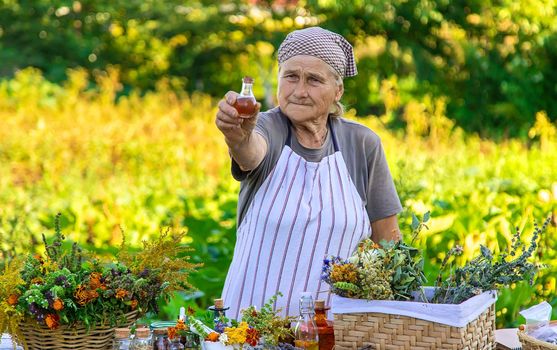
x=237, y=335
x=344, y=273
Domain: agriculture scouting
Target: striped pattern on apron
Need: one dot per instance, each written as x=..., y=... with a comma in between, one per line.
x=303, y=212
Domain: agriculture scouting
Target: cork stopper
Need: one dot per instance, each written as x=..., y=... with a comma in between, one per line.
x=160, y=331
x=320, y=304
x=122, y=333
x=142, y=332
x=248, y=80
x=219, y=304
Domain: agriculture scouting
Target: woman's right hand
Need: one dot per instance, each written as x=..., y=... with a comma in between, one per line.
x=248, y=148
x=236, y=130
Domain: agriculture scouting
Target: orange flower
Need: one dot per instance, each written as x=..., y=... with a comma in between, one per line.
x=180, y=325
x=213, y=336
x=12, y=299
x=171, y=332
x=252, y=336
x=52, y=321
x=95, y=280
x=58, y=304
x=133, y=304
x=84, y=295
x=38, y=257
x=37, y=280
x=121, y=293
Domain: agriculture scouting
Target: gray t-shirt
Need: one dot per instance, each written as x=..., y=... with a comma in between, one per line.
x=360, y=147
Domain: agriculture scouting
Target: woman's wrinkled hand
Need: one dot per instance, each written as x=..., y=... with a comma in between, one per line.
x=236, y=130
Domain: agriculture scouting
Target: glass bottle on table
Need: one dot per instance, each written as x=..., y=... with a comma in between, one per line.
x=142, y=340
x=121, y=339
x=245, y=102
x=324, y=327
x=305, y=331
x=160, y=338
x=219, y=315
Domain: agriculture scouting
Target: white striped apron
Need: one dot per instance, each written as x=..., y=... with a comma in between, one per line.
x=303, y=212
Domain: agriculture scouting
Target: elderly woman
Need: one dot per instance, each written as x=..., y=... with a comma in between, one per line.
x=312, y=183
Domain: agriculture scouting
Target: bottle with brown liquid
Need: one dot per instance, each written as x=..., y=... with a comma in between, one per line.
x=324, y=327
x=245, y=102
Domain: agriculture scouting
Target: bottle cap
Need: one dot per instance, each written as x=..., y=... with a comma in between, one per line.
x=122, y=332
x=320, y=304
x=142, y=332
x=219, y=303
x=248, y=80
x=160, y=331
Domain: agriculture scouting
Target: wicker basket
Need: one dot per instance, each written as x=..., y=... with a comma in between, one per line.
x=389, y=332
x=40, y=337
x=531, y=343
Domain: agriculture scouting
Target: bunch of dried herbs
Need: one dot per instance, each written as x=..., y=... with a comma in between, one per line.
x=385, y=271
x=486, y=271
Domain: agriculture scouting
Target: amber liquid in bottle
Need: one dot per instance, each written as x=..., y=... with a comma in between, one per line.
x=307, y=344
x=245, y=102
x=324, y=326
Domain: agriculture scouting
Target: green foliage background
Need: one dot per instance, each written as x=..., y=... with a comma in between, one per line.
x=127, y=138
x=494, y=61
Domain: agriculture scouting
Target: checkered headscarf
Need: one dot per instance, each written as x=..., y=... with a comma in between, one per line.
x=323, y=44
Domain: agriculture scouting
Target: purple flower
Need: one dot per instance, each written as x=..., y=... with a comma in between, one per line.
x=60, y=280
x=219, y=327
x=34, y=309
x=48, y=296
x=144, y=273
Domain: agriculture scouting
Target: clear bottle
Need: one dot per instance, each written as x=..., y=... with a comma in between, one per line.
x=245, y=102
x=160, y=338
x=121, y=339
x=305, y=331
x=142, y=340
x=175, y=344
x=219, y=317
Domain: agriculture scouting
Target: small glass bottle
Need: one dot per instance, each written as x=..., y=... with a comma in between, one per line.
x=142, y=340
x=175, y=344
x=305, y=331
x=160, y=338
x=121, y=339
x=245, y=102
x=219, y=315
x=324, y=327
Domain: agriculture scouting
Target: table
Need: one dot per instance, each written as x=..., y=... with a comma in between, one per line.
x=507, y=339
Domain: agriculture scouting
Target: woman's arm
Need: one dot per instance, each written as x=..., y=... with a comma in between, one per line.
x=386, y=229
x=248, y=148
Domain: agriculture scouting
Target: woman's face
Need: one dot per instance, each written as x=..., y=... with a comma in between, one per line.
x=307, y=89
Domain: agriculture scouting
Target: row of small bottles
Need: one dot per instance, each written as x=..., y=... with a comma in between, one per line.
x=312, y=330
x=144, y=340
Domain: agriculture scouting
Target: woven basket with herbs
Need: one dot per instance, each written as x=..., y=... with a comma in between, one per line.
x=67, y=298
x=393, y=272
